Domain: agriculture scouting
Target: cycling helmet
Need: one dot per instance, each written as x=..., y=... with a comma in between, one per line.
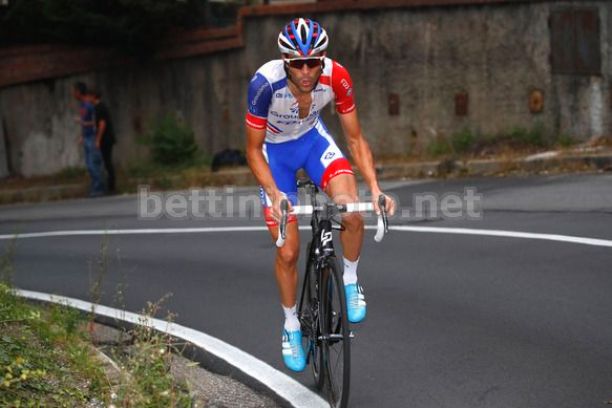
x=302, y=37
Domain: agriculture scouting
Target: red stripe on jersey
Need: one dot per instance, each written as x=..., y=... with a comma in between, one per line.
x=325, y=80
x=342, y=109
x=337, y=167
x=342, y=86
x=255, y=121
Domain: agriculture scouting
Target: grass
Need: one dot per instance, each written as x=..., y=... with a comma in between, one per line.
x=45, y=356
x=147, y=379
x=467, y=143
x=6, y=263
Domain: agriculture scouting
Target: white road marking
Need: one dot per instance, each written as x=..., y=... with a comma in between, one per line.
x=69, y=233
x=284, y=386
x=437, y=230
x=506, y=234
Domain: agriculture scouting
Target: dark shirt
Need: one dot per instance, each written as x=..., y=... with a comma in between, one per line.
x=87, y=116
x=102, y=114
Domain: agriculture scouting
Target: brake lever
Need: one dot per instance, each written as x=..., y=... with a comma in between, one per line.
x=382, y=226
x=382, y=201
x=282, y=227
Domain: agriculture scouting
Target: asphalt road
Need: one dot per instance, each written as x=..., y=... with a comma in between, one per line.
x=453, y=320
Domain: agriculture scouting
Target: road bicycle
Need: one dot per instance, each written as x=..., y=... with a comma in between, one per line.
x=326, y=334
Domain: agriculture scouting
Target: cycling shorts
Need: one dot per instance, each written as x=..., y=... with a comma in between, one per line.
x=315, y=152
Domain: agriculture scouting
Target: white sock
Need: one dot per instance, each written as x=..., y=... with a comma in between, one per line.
x=350, y=271
x=291, y=320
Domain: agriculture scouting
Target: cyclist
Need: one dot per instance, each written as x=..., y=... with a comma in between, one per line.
x=285, y=133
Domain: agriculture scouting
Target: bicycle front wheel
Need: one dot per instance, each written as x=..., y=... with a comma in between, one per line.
x=308, y=312
x=336, y=342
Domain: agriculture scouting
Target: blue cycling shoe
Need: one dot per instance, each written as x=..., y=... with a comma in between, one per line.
x=293, y=353
x=355, y=302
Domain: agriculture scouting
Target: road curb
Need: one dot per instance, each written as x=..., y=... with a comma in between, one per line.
x=449, y=167
x=548, y=161
x=214, y=354
x=38, y=194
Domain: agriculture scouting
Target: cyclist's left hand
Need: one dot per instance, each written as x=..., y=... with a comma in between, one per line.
x=389, y=203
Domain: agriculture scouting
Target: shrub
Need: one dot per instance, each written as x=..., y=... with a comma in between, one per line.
x=171, y=142
x=439, y=147
x=528, y=137
x=463, y=141
x=565, y=140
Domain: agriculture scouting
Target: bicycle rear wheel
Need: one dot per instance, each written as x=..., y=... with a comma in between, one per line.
x=308, y=312
x=336, y=343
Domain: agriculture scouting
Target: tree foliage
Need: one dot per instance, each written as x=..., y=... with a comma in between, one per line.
x=134, y=26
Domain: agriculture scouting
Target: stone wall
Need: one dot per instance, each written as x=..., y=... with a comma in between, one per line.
x=496, y=54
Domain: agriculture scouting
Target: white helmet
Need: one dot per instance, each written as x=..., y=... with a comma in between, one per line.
x=302, y=37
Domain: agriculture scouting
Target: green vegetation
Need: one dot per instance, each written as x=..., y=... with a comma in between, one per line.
x=175, y=160
x=45, y=358
x=132, y=26
x=463, y=141
x=439, y=147
x=534, y=137
x=148, y=361
x=45, y=355
x=6, y=263
x=171, y=142
x=565, y=141
x=518, y=140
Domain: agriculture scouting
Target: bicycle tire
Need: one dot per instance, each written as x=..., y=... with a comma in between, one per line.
x=308, y=312
x=336, y=344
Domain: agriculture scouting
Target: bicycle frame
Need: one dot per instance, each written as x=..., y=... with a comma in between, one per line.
x=321, y=247
x=321, y=250
x=323, y=324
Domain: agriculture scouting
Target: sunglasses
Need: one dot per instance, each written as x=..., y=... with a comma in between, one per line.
x=310, y=62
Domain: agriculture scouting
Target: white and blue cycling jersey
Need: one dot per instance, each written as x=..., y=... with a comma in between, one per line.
x=292, y=142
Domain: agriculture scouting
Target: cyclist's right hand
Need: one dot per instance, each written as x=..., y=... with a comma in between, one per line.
x=276, y=205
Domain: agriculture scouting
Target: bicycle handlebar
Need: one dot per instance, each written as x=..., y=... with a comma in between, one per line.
x=381, y=227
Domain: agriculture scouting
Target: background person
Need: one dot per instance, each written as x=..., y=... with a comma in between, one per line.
x=93, y=157
x=105, y=138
